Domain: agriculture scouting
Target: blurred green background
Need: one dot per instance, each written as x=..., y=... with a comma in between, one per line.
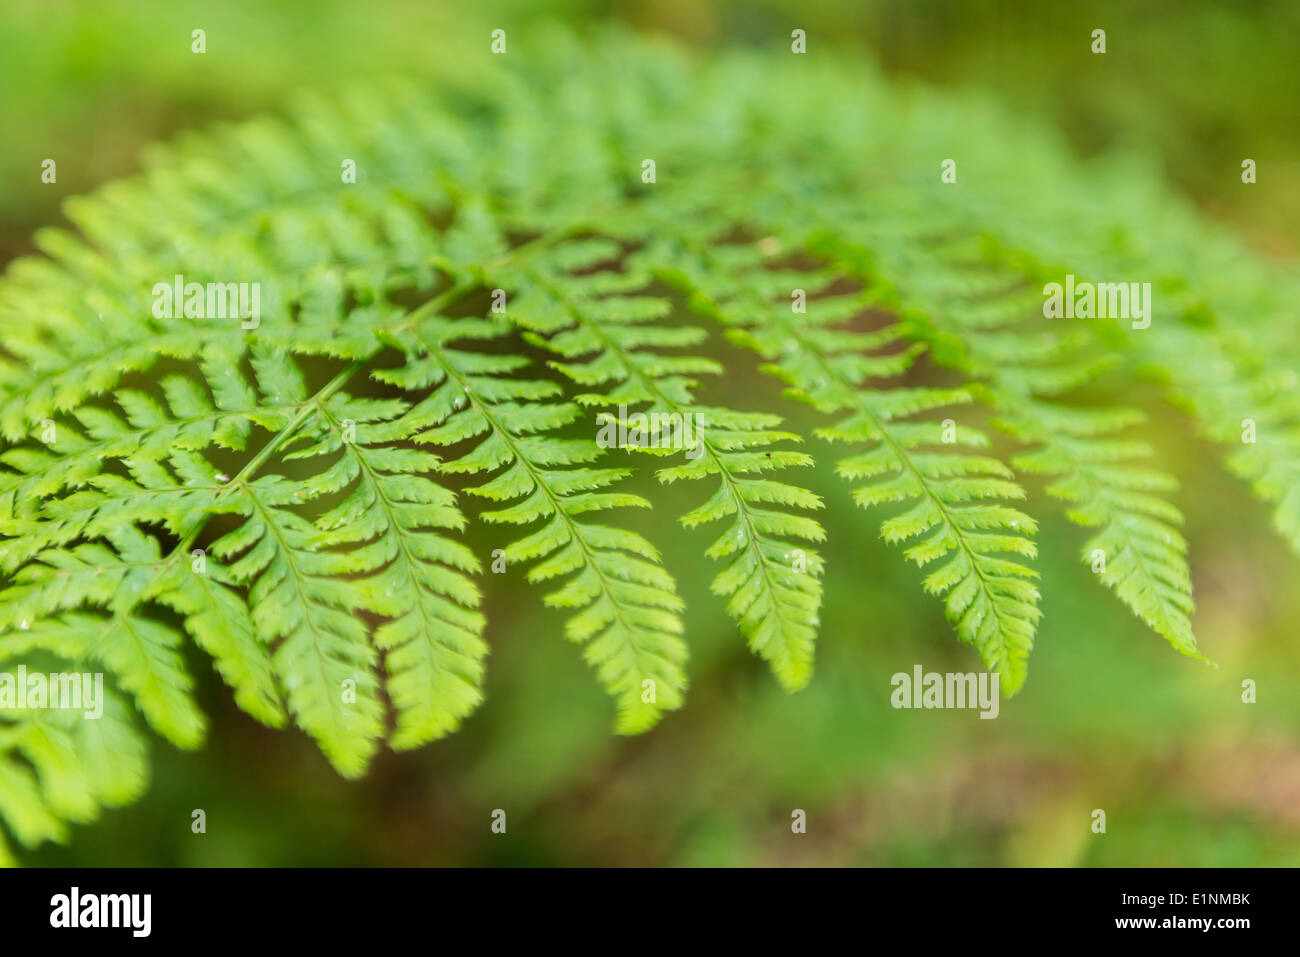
x=1110, y=717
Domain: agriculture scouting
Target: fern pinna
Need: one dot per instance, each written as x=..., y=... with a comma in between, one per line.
x=438, y=341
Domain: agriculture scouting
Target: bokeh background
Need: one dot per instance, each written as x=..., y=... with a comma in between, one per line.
x=1110, y=718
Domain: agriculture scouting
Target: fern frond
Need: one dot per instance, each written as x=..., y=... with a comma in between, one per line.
x=956, y=500
x=272, y=492
x=995, y=331
x=56, y=766
x=625, y=604
x=141, y=651
x=771, y=577
x=1220, y=313
x=1247, y=401
x=1139, y=551
x=432, y=644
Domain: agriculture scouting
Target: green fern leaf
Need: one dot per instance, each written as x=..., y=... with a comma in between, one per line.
x=770, y=578
x=625, y=605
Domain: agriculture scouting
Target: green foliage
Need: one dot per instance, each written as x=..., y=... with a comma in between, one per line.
x=774, y=604
x=626, y=603
x=288, y=495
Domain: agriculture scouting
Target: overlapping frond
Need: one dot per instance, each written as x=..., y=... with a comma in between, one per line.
x=625, y=606
x=956, y=500
x=58, y=766
x=1251, y=404
x=985, y=318
x=612, y=335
